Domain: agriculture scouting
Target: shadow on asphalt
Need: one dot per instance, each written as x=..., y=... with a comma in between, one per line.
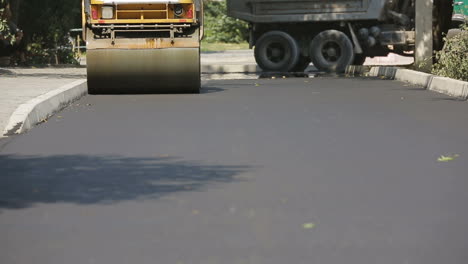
x=410, y=87
x=6, y=72
x=449, y=99
x=208, y=89
x=79, y=179
x=52, y=75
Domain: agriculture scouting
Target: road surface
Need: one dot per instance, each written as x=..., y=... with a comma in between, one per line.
x=300, y=171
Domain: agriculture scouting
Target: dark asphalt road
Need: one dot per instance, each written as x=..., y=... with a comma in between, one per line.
x=300, y=171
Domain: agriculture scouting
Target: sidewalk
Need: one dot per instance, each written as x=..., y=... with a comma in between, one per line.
x=19, y=86
x=244, y=61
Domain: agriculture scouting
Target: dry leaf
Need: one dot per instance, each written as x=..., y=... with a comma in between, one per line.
x=447, y=158
x=308, y=225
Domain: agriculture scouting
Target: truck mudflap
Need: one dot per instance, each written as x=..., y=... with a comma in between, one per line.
x=169, y=70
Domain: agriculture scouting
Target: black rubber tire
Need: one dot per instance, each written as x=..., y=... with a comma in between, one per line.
x=301, y=64
x=276, y=51
x=359, y=59
x=336, y=41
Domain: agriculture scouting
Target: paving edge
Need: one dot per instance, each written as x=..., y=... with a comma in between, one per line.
x=229, y=68
x=448, y=86
x=236, y=68
x=40, y=108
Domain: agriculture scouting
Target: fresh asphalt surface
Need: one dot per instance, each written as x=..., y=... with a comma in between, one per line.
x=323, y=170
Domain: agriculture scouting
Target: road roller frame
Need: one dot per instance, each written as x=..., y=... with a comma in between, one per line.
x=143, y=46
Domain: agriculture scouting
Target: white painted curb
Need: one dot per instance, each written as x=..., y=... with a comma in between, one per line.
x=40, y=108
x=450, y=87
x=431, y=82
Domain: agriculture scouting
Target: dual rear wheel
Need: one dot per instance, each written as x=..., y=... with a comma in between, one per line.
x=277, y=51
x=330, y=51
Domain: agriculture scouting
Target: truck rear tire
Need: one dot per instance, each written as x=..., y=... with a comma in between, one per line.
x=276, y=51
x=331, y=51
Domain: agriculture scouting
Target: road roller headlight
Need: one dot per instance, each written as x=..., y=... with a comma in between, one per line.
x=107, y=12
x=178, y=10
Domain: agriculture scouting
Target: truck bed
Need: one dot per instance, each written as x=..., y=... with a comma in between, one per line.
x=294, y=11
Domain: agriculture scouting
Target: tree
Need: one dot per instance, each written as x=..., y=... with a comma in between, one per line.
x=442, y=14
x=221, y=28
x=46, y=24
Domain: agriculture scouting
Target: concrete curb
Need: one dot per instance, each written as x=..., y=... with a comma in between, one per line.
x=450, y=87
x=40, y=108
x=430, y=82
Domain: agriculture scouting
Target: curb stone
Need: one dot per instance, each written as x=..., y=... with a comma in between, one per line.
x=40, y=108
x=448, y=86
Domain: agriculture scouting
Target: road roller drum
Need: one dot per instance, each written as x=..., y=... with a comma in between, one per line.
x=172, y=70
x=143, y=46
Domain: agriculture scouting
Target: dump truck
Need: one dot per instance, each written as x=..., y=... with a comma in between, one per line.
x=143, y=46
x=289, y=34
x=460, y=13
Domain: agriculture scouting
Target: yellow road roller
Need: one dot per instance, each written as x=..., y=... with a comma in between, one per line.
x=143, y=46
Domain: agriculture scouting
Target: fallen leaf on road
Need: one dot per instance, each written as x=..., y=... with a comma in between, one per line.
x=448, y=158
x=308, y=225
x=257, y=84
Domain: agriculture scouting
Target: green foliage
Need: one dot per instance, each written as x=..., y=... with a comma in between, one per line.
x=452, y=60
x=217, y=46
x=221, y=28
x=46, y=24
x=5, y=33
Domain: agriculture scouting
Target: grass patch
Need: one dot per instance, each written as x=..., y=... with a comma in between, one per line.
x=206, y=47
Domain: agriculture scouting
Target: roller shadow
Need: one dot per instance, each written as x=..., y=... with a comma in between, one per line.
x=80, y=179
x=208, y=90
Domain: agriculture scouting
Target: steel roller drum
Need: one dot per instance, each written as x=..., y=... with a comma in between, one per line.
x=170, y=70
